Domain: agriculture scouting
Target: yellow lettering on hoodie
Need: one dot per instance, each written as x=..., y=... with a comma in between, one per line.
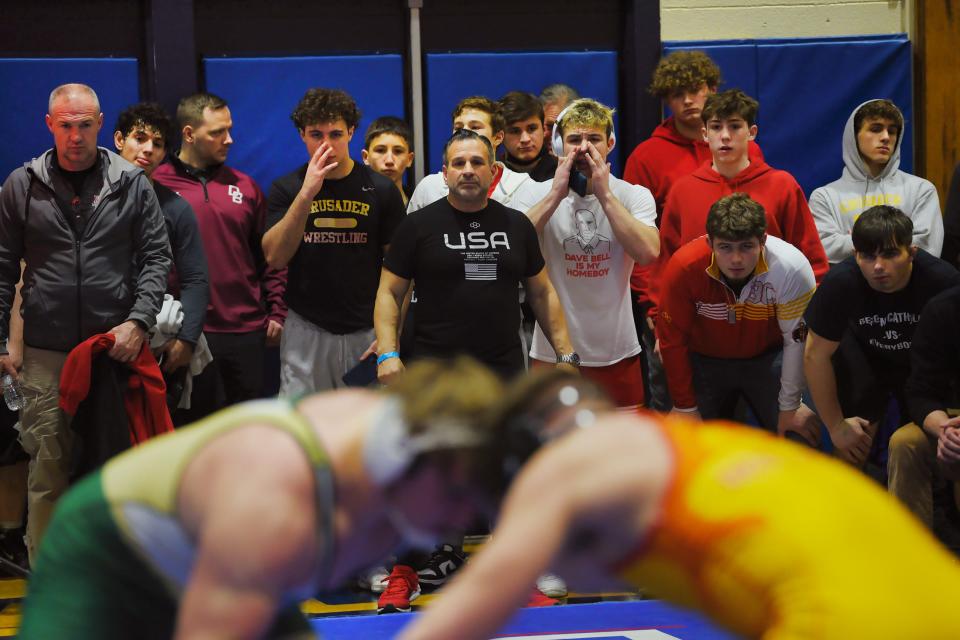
x=850, y=205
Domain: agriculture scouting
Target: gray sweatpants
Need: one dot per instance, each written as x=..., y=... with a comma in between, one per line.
x=312, y=359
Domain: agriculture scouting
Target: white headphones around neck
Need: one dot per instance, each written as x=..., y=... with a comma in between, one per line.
x=556, y=138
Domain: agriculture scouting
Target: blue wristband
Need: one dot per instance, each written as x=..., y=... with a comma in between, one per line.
x=386, y=356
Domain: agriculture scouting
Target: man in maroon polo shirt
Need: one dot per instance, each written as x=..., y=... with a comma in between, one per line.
x=246, y=309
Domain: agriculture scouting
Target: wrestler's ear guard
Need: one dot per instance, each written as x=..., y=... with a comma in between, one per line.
x=386, y=451
x=390, y=450
x=539, y=408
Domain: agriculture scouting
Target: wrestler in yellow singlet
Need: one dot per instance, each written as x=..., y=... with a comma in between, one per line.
x=774, y=540
x=768, y=538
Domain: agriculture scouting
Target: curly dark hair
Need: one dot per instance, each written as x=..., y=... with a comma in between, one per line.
x=149, y=115
x=684, y=71
x=325, y=105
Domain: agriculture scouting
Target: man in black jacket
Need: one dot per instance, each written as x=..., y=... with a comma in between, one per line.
x=90, y=231
x=141, y=136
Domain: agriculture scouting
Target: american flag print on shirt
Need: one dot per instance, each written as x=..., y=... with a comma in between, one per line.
x=483, y=271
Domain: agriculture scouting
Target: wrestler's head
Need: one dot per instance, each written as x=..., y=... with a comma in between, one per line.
x=427, y=445
x=537, y=409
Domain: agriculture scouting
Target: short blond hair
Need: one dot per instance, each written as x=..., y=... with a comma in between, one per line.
x=586, y=112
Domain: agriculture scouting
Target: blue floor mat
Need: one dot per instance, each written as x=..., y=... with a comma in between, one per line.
x=610, y=620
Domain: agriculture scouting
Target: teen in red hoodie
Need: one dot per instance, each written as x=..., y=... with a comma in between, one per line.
x=729, y=120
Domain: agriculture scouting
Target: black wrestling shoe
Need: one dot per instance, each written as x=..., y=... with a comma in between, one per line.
x=13, y=555
x=442, y=564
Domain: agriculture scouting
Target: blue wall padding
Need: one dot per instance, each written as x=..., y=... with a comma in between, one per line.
x=737, y=60
x=451, y=77
x=807, y=88
x=27, y=83
x=827, y=81
x=262, y=93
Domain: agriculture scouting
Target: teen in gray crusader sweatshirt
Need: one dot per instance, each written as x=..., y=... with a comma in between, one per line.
x=872, y=176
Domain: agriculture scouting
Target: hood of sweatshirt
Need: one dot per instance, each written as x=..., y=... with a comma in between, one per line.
x=854, y=166
x=667, y=130
x=755, y=170
x=119, y=172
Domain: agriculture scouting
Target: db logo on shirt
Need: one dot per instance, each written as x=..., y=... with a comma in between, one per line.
x=234, y=192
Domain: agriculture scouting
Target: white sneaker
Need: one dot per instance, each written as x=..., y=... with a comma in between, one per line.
x=552, y=586
x=374, y=579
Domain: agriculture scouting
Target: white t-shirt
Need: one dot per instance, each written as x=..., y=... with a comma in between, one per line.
x=590, y=270
x=433, y=187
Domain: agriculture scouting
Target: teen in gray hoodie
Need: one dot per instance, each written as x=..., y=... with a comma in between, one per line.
x=872, y=176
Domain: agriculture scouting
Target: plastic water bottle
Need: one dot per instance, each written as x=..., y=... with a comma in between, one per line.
x=12, y=393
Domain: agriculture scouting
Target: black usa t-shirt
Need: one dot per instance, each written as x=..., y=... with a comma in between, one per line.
x=333, y=277
x=883, y=323
x=467, y=267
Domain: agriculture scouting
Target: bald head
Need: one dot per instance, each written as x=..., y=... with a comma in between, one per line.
x=71, y=91
x=74, y=119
